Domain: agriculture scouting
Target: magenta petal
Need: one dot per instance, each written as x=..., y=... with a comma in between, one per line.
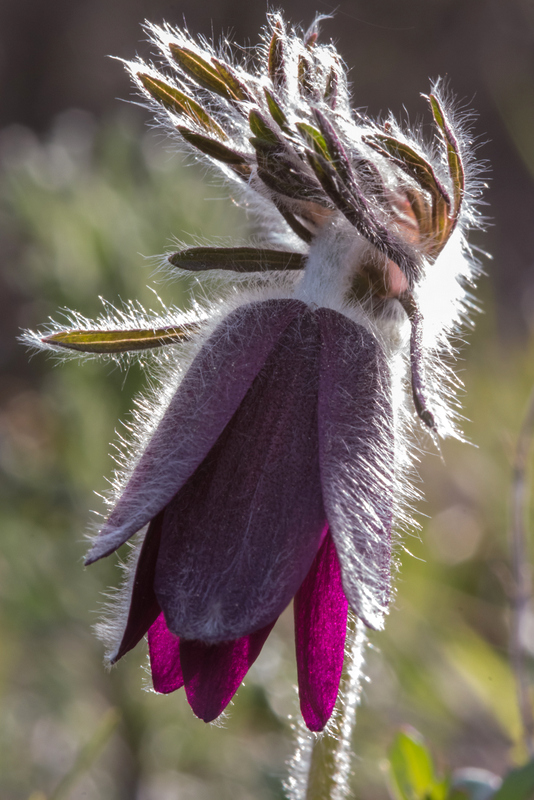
x=143, y=607
x=356, y=440
x=240, y=537
x=202, y=406
x=164, y=649
x=213, y=673
x=320, y=627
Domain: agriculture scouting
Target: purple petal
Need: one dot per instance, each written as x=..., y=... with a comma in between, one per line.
x=240, y=537
x=356, y=439
x=204, y=403
x=144, y=607
x=213, y=672
x=320, y=627
x=164, y=649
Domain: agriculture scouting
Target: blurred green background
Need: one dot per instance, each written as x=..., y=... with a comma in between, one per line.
x=88, y=194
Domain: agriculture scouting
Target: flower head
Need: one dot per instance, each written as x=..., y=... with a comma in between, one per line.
x=274, y=465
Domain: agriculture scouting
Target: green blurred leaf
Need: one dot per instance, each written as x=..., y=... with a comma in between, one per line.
x=411, y=769
x=488, y=674
x=518, y=784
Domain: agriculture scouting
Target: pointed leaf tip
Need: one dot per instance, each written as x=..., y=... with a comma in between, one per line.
x=276, y=62
x=454, y=158
x=213, y=148
x=275, y=111
x=412, y=773
x=236, y=87
x=204, y=73
x=314, y=139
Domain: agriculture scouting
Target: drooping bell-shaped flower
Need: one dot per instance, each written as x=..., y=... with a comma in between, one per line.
x=276, y=462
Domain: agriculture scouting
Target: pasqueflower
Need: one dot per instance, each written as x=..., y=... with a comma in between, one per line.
x=277, y=461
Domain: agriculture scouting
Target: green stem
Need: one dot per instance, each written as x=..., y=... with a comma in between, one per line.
x=320, y=768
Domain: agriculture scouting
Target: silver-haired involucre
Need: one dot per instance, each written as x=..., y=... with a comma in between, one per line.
x=275, y=460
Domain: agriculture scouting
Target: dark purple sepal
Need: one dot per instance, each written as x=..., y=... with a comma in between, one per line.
x=213, y=672
x=164, y=650
x=143, y=607
x=202, y=406
x=241, y=535
x=356, y=441
x=320, y=610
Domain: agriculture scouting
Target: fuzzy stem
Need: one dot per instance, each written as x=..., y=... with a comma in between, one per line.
x=522, y=579
x=320, y=768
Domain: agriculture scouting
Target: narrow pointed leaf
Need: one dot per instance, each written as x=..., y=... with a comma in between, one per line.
x=235, y=86
x=276, y=112
x=453, y=153
x=422, y=212
x=305, y=76
x=329, y=181
x=120, y=341
x=202, y=71
x=336, y=151
x=213, y=148
x=410, y=161
x=330, y=92
x=314, y=138
x=237, y=259
x=293, y=185
x=175, y=100
x=261, y=129
x=276, y=57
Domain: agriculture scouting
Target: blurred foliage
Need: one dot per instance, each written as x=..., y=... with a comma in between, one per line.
x=79, y=213
x=412, y=776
